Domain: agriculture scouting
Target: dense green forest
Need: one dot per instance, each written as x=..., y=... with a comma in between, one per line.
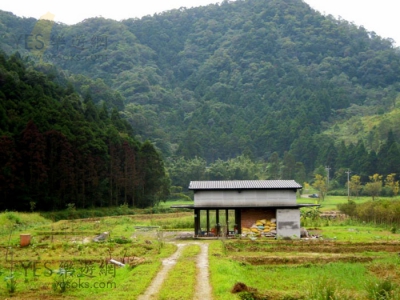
x=237, y=90
x=57, y=149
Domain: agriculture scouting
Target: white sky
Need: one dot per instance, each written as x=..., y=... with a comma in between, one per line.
x=379, y=16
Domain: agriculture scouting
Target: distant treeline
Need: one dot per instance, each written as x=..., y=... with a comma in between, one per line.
x=323, y=155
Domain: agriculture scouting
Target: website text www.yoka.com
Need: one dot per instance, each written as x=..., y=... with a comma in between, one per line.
x=76, y=284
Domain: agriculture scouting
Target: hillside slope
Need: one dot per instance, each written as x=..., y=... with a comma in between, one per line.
x=253, y=77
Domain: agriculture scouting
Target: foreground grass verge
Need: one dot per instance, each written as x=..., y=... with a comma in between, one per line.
x=352, y=260
x=132, y=283
x=294, y=278
x=62, y=261
x=13, y=221
x=84, y=279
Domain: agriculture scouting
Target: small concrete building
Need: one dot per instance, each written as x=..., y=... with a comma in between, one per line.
x=246, y=201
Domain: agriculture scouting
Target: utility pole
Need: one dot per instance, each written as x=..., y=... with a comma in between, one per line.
x=348, y=185
x=327, y=180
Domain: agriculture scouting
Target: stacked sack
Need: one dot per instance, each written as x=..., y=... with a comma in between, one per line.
x=261, y=228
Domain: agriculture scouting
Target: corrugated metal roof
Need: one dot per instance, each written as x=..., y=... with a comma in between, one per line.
x=191, y=206
x=244, y=184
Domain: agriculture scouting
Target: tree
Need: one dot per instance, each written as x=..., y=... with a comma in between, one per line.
x=32, y=149
x=387, y=154
x=320, y=185
x=130, y=173
x=115, y=173
x=8, y=179
x=274, y=166
x=392, y=184
x=374, y=187
x=360, y=159
x=154, y=182
x=300, y=173
x=60, y=163
x=355, y=185
x=289, y=166
x=182, y=171
x=304, y=149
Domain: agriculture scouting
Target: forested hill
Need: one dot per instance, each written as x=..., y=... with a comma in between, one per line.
x=267, y=74
x=57, y=149
x=249, y=77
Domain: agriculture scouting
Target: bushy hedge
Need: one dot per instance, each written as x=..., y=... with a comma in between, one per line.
x=72, y=213
x=338, y=192
x=378, y=212
x=69, y=214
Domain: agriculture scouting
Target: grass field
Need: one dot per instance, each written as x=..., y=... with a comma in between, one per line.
x=330, y=202
x=350, y=260
x=305, y=270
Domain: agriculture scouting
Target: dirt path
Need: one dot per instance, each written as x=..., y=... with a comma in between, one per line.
x=155, y=285
x=203, y=288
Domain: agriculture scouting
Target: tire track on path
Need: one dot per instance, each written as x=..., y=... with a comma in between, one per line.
x=203, y=287
x=168, y=263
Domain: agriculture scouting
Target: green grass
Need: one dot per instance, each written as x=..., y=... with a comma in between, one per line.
x=130, y=283
x=223, y=273
x=66, y=245
x=302, y=280
x=168, y=204
x=357, y=233
x=334, y=280
x=20, y=221
x=112, y=282
x=330, y=202
x=181, y=287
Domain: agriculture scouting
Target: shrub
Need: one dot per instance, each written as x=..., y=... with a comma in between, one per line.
x=13, y=217
x=326, y=288
x=348, y=208
x=338, y=192
x=121, y=240
x=382, y=289
x=386, y=192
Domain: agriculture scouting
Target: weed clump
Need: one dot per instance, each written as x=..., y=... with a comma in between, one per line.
x=248, y=293
x=383, y=289
x=239, y=287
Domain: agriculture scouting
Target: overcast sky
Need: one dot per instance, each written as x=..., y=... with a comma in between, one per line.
x=379, y=16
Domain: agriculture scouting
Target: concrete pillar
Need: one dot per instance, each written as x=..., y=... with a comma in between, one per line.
x=196, y=222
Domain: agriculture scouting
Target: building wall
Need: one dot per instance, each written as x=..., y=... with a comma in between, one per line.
x=250, y=215
x=288, y=222
x=253, y=198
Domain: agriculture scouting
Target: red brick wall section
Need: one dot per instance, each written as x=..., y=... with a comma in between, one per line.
x=250, y=216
